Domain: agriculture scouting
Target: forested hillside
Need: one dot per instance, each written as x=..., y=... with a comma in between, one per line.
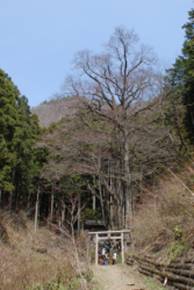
x=109, y=151
x=54, y=110
x=122, y=133
x=19, y=160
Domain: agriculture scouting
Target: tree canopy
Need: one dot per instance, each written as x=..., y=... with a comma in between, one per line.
x=18, y=134
x=181, y=75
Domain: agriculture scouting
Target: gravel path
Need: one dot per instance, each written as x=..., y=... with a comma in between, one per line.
x=117, y=277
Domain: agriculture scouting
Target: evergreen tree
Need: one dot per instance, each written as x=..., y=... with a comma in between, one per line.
x=26, y=132
x=18, y=134
x=182, y=74
x=9, y=95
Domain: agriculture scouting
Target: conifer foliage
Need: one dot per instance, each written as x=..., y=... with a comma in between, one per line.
x=182, y=74
x=18, y=134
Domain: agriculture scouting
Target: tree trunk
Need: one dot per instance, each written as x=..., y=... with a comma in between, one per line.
x=63, y=213
x=36, y=210
x=0, y=198
x=52, y=206
x=127, y=189
x=101, y=200
x=10, y=200
x=94, y=202
x=79, y=213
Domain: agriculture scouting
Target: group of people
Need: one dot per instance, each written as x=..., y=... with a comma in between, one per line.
x=107, y=255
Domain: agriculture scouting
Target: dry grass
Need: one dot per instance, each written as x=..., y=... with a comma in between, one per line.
x=29, y=259
x=165, y=220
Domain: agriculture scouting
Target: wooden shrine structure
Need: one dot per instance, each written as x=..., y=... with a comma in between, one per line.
x=119, y=235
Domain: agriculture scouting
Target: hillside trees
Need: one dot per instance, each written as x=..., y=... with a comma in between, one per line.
x=8, y=98
x=119, y=130
x=181, y=75
x=18, y=134
x=86, y=147
x=118, y=85
x=66, y=190
x=121, y=126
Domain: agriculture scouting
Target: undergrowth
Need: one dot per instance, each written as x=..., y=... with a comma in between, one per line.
x=36, y=261
x=152, y=284
x=74, y=284
x=176, y=249
x=163, y=225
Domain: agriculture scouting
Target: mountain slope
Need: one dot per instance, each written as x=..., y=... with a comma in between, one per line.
x=54, y=110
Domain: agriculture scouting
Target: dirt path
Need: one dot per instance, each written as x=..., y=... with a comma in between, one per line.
x=117, y=277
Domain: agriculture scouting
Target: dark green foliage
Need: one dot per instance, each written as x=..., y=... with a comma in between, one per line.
x=8, y=118
x=181, y=75
x=18, y=133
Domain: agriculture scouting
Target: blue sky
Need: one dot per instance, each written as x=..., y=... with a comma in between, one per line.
x=38, y=38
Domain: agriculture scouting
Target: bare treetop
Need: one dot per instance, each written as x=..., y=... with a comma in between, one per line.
x=118, y=77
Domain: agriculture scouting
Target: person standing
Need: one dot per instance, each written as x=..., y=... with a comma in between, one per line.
x=103, y=256
x=114, y=258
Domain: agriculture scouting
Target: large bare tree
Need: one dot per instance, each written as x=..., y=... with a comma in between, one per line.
x=118, y=85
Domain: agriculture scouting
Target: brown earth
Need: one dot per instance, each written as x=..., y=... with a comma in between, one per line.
x=118, y=277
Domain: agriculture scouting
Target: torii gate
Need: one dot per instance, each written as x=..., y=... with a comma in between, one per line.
x=110, y=235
